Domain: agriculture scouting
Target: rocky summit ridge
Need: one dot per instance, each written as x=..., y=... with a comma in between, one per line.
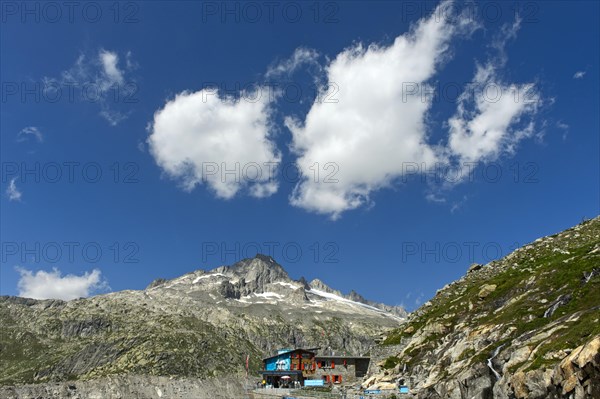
x=263, y=277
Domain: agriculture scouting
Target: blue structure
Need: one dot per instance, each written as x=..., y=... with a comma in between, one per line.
x=289, y=367
x=280, y=362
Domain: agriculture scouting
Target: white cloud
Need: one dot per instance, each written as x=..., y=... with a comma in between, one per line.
x=12, y=191
x=264, y=190
x=378, y=124
x=99, y=79
x=489, y=118
x=493, y=116
x=564, y=127
x=507, y=32
x=459, y=204
x=112, y=117
x=30, y=131
x=366, y=139
x=129, y=62
x=52, y=285
x=302, y=56
x=79, y=73
x=579, y=75
x=198, y=137
x=433, y=197
x=111, y=70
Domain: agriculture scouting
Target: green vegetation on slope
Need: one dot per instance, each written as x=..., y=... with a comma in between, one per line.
x=527, y=283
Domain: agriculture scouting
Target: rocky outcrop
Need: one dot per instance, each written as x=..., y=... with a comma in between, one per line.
x=474, y=267
x=523, y=327
x=486, y=290
x=156, y=283
x=321, y=286
x=578, y=374
x=85, y=328
x=255, y=274
x=229, y=291
x=397, y=310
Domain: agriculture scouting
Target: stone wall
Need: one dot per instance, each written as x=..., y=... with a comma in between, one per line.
x=353, y=371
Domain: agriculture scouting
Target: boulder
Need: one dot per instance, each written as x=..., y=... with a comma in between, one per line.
x=386, y=386
x=474, y=267
x=486, y=290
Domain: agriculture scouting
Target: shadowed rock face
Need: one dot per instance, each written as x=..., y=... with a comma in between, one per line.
x=254, y=275
x=84, y=328
x=198, y=327
x=526, y=326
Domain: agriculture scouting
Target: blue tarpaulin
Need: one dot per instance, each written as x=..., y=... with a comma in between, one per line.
x=314, y=383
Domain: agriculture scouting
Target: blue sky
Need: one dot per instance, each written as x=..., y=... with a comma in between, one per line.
x=114, y=118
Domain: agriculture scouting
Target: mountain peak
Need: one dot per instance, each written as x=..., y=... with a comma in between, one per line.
x=259, y=267
x=252, y=275
x=265, y=258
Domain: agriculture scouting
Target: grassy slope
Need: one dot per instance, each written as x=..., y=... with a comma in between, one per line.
x=135, y=342
x=528, y=282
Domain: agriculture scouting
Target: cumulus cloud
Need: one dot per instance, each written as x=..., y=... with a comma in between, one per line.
x=579, y=75
x=489, y=119
x=378, y=124
x=225, y=142
x=102, y=79
x=12, y=192
x=52, y=285
x=368, y=138
x=493, y=116
x=30, y=132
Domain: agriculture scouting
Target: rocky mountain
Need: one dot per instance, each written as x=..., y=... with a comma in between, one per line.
x=525, y=326
x=180, y=337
